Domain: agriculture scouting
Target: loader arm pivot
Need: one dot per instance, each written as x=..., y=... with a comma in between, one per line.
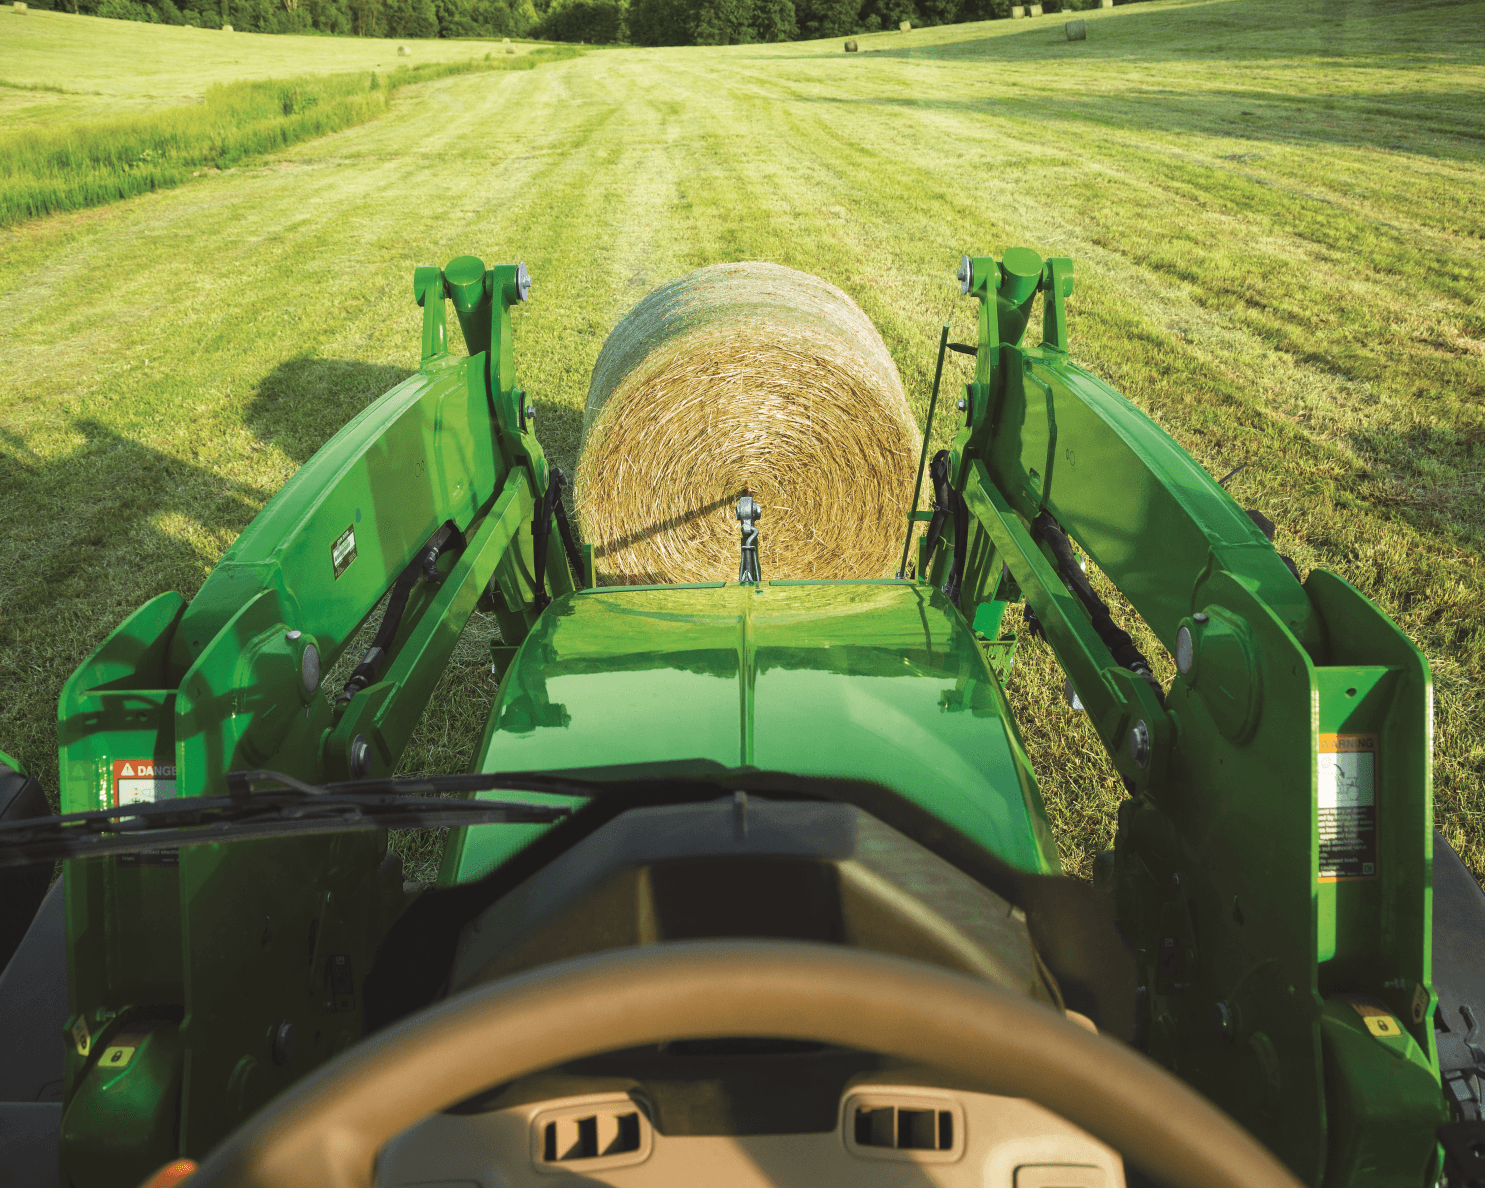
x=1272, y=864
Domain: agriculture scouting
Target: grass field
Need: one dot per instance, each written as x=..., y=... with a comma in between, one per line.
x=1276, y=213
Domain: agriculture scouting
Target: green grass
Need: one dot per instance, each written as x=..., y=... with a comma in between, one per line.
x=1275, y=212
x=77, y=164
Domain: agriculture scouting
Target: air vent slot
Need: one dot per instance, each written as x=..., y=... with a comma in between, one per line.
x=591, y=1137
x=590, y=1134
x=885, y=1124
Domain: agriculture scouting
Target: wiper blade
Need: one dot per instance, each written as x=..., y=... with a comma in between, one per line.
x=292, y=808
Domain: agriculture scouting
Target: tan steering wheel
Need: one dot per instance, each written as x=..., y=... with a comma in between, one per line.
x=326, y=1131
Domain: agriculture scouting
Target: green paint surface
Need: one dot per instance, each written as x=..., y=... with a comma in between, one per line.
x=876, y=680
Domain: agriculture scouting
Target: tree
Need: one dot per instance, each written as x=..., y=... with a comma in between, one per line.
x=827, y=18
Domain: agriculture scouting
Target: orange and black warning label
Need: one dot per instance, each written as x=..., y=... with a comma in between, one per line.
x=142, y=781
x=1347, y=806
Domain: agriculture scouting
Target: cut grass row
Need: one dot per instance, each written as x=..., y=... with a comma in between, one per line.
x=74, y=165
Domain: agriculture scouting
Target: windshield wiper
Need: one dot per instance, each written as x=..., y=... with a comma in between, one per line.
x=289, y=809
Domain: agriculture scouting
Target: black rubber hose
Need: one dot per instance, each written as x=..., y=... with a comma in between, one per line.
x=423, y=567
x=1114, y=637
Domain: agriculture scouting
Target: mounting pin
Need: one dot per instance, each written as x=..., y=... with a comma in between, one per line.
x=1139, y=745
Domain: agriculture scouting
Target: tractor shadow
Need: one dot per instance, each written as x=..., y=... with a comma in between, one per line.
x=86, y=538
x=303, y=402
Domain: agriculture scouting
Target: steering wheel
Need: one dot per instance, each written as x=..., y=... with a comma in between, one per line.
x=326, y=1131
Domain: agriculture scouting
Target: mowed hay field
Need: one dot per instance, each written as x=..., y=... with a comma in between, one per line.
x=1275, y=211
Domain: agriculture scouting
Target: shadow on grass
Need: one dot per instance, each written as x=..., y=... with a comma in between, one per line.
x=303, y=402
x=1380, y=32
x=1427, y=123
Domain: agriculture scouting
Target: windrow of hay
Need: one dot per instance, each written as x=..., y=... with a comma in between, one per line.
x=745, y=379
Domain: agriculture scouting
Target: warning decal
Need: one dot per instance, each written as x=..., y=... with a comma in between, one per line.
x=1348, y=807
x=142, y=781
x=343, y=551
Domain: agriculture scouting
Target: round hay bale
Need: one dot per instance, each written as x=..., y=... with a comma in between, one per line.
x=851, y=46
x=404, y=51
x=1034, y=10
x=226, y=28
x=20, y=6
x=1018, y=11
x=745, y=379
x=904, y=26
x=510, y=49
x=1076, y=30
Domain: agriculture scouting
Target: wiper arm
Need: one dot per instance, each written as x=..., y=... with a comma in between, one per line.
x=293, y=808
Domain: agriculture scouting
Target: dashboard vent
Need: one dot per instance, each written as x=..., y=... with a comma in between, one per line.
x=883, y=1123
x=605, y=1133
x=590, y=1134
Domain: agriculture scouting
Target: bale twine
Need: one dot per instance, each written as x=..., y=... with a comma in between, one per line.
x=745, y=379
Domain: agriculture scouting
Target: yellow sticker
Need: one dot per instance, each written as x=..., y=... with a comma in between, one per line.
x=80, y=1036
x=115, y=1057
x=1382, y=1026
x=1420, y=1004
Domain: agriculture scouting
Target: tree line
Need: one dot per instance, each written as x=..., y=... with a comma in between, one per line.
x=596, y=22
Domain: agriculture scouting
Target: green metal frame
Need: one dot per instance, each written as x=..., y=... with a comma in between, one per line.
x=232, y=681
x=1256, y=970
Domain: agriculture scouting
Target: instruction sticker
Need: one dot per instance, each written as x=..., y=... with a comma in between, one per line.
x=1379, y=1021
x=1348, y=807
x=142, y=781
x=343, y=551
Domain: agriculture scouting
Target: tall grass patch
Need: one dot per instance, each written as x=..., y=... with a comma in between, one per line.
x=78, y=164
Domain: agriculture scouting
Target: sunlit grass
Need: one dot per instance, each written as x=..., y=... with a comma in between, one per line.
x=1275, y=213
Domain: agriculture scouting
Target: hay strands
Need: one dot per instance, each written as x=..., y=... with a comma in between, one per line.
x=938, y=374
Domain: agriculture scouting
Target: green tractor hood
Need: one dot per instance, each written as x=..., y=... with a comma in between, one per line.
x=872, y=680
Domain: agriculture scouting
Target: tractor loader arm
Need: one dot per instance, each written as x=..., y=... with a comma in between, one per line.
x=1272, y=866
x=432, y=493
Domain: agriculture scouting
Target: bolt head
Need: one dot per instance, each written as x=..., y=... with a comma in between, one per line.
x=523, y=282
x=962, y=404
x=309, y=668
x=966, y=274
x=531, y=412
x=360, y=757
x=1185, y=651
x=1139, y=745
x=293, y=635
x=1200, y=617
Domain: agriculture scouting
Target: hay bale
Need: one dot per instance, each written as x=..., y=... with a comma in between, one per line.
x=19, y=6
x=1017, y=12
x=404, y=51
x=226, y=28
x=510, y=49
x=1076, y=30
x=1105, y=3
x=745, y=379
x=904, y=26
x=851, y=46
x=1034, y=10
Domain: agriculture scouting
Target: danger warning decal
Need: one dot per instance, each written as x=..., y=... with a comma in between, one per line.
x=1348, y=807
x=142, y=781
